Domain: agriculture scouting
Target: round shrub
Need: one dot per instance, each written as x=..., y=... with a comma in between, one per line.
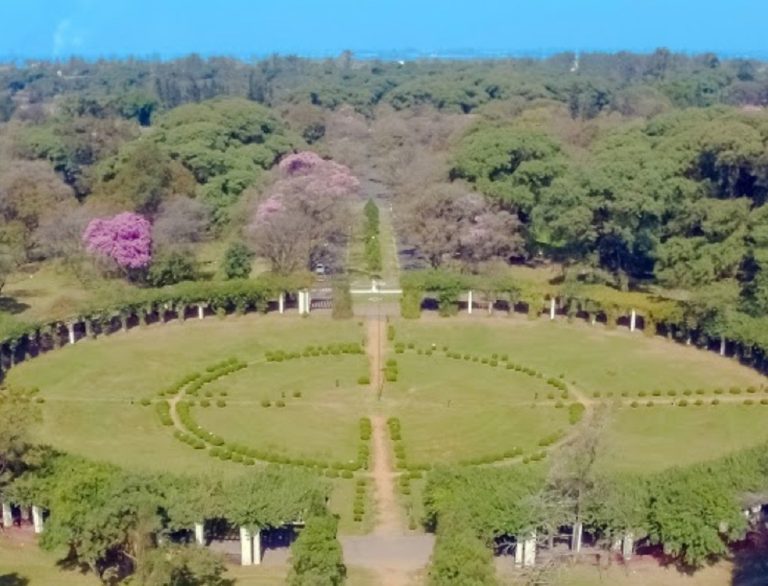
x=280, y=403
x=634, y=404
x=642, y=394
x=698, y=402
x=749, y=402
x=682, y=403
x=672, y=393
x=221, y=403
x=346, y=474
x=146, y=402
x=649, y=404
x=297, y=394
x=266, y=403
x=687, y=392
x=715, y=401
x=205, y=403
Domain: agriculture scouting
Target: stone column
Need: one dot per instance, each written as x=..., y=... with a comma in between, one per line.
x=688, y=340
x=529, y=550
x=490, y=306
x=300, y=302
x=7, y=515
x=257, y=548
x=628, y=546
x=722, y=346
x=281, y=303
x=519, y=546
x=71, y=331
x=200, y=311
x=632, y=320
x=307, y=302
x=37, y=519
x=578, y=529
x=246, y=547
x=469, y=302
x=200, y=533
x=552, y=308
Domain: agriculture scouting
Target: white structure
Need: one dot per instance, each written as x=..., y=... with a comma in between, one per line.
x=304, y=302
x=200, y=533
x=529, y=550
x=281, y=303
x=469, y=302
x=722, y=346
x=628, y=546
x=552, y=308
x=525, y=551
x=37, y=519
x=71, y=330
x=632, y=321
x=250, y=547
x=200, y=311
x=7, y=515
x=578, y=530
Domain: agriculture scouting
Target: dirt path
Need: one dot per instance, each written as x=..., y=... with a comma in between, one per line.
x=375, y=350
x=388, y=520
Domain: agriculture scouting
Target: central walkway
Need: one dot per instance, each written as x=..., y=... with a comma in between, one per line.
x=397, y=556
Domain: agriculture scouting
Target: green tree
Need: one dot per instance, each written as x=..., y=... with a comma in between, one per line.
x=171, y=268
x=316, y=558
x=237, y=261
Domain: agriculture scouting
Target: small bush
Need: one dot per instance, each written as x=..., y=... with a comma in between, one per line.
x=715, y=401
x=205, y=403
x=634, y=404
x=682, y=403
x=718, y=391
x=266, y=403
x=749, y=402
x=280, y=403
x=649, y=404
x=642, y=394
x=221, y=403
x=687, y=392
x=672, y=393
x=297, y=394
x=146, y=402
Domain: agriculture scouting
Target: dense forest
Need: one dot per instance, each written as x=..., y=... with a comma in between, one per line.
x=633, y=169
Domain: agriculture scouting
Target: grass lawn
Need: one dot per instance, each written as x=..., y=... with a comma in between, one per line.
x=593, y=358
x=22, y=563
x=321, y=424
x=453, y=410
x=652, y=438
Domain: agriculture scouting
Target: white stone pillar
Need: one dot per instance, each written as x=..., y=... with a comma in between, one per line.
x=257, y=548
x=200, y=312
x=552, y=308
x=301, y=302
x=469, y=302
x=688, y=340
x=307, y=302
x=246, y=547
x=200, y=533
x=628, y=546
x=71, y=330
x=529, y=550
x=519, y=551
x=632, y=320
x=722, y=346
x=490, y=306
x=37, y=519
x=578, y=529
x=7, y=515
x=281, y=303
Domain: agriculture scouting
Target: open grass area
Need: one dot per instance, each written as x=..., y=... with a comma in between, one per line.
x=329, y=393
x=593, y=358
x=453, y=410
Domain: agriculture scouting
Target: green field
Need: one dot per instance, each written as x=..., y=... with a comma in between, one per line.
x=450, y=409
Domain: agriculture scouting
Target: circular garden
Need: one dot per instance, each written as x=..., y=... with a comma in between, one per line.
x=223, y=394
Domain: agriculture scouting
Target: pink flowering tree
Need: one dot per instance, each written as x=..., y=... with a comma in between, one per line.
x=124, y=240
x=304, y=218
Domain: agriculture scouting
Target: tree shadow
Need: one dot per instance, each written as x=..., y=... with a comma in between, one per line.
x=12, y=305
x=750, y=561
x=13, y=579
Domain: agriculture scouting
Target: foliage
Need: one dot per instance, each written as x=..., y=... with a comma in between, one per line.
x=182, y=566
x=316, y=555
x=237, y=261
x=342, y=299
x=460, y=558
x=171, y=268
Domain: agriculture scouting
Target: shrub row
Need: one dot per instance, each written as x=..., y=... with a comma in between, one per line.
x=490, y=459
x=551, y=439
x=390, y=371
x=314, y=351
x=163, y=410
x=178, y=385
x=358, y=505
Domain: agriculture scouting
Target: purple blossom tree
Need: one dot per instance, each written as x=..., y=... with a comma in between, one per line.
x=125, y=239
x=304, y=219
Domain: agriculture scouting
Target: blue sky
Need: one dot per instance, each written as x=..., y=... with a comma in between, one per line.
x=167, y=28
